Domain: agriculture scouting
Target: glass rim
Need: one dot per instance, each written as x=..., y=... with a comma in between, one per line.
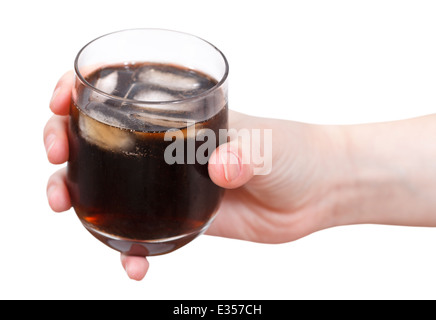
x=146, y=102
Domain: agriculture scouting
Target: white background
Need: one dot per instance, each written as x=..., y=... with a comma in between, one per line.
x=314, y=61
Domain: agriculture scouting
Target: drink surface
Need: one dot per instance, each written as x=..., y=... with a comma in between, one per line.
x=121, y=187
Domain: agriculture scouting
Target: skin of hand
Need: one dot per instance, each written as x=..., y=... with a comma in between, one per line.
x=322, y=176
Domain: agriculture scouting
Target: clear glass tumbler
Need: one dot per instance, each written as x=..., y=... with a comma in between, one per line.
x=145, y=115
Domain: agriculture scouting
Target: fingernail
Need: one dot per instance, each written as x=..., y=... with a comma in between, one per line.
x=49, y=142
x=231, y=165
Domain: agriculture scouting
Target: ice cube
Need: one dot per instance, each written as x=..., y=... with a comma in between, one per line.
x=169, y=80
x=105, y=136
x=108, y=83
x=149, y=94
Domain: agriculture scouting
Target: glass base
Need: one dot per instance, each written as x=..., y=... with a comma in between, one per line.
x=144, y=247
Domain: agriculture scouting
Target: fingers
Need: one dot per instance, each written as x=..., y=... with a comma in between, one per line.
x=60, y=101
x=57, y=192
x=56, y=139
x=56, y=143
x=55, y=131
x=136, y=267
x=227, y=167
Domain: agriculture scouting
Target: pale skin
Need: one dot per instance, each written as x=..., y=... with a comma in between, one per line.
x=322, y=176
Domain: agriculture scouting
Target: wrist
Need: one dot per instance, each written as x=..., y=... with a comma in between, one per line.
x=339, y=182
x=387, y=174
x=365, y=178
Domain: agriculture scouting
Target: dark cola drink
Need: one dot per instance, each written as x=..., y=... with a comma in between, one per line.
x=122, y=188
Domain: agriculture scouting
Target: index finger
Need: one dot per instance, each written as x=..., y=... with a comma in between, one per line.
x=60, y=101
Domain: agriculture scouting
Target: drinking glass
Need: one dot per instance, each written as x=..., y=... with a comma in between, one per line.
x=147, y=107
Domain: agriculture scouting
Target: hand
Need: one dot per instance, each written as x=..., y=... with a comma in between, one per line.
x=290, y=202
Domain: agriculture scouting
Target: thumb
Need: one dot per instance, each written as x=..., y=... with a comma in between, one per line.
x=227, y=167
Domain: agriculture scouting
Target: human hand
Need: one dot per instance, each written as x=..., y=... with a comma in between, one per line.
x=290, y=202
